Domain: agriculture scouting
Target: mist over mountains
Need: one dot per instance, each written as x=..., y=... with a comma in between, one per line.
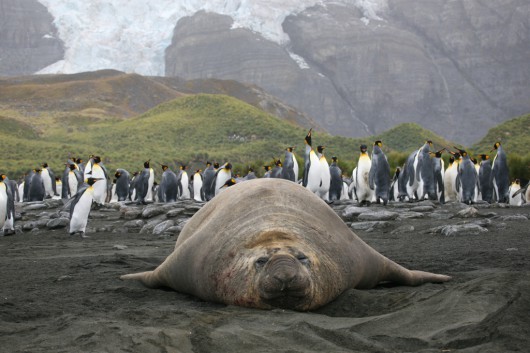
x=356, y=67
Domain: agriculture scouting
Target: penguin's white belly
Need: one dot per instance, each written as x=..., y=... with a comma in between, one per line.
x=21, y=191
x=150, y=182
x=314, y=177
x=100, y=191
x=79, y=218
x=197, y=186
x=517, y=200
x=72, y=183
x=3, y=204
x=185, y=186
x=364, y=193
x=222, y=178
x=47, y=182
x=114, y=196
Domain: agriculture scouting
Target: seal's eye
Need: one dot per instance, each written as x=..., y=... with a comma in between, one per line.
x=261, y=262
x=303, y=259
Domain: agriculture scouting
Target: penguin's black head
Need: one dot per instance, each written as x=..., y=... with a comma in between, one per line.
x=334, y=159
x=198, y=171
x=97, y=159
x=278, y=163
x=3, y=177
x=364, y=148
x=117, y=174
x=38, y=170
x=267, y=167
x=79, y=160
x=474, y=160
x=71, y=166
x=496, y=145
x=378, y=143
x=164, y=167
x=457, y=155
x=229, y=183
x=517, y=182
x=228, y=166
x=308, y=137
x=320, y=149
x=290, y=149
x=146, y=164
x=451, y=159
x=484, y=157
x=91, y=181
x=398, y=171
x=216, y=165
x=44, y=165
x=208, y=164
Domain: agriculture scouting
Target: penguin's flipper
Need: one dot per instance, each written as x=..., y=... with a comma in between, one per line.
x=520, y=191
x=74, y=200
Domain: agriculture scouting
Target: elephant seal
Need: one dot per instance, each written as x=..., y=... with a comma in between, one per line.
x=271, y=243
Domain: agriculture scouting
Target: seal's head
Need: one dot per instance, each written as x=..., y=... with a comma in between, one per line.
x=283, y=279
x=278, y=272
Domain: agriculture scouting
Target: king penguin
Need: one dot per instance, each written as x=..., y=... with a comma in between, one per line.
x=363, y=191
x=515, y=200
x=501, y=174
x=407, y=182
x=168, y=188
x=223, y=175
x=307, y=159
x=290, y=165
x=524, y=192
x=80, y=207
x=73, y=180
x=250, y=175
x=467, y=183
x=325, y=176
x=48, y=179
x=99, y=172
x=379, y=175
x=276, y=171
x=208, y=179
x=268, y=171
x=184, y=183
x=336, y=184
x=36, y=187
x=122, y=184
x=439, y=173
x=393, y=194
x=312, y=173
x=198, y=190
x=7, y=206
x=144, y=184
x=425, y=173
x=485, y=178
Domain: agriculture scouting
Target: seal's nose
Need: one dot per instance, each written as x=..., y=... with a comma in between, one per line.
x=284, y=270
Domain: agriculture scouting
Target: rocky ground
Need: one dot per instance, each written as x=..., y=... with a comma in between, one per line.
x=62, y=293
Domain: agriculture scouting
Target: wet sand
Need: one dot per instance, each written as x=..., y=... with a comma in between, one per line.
x=61, y=293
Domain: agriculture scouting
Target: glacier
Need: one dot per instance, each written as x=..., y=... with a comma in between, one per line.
x=132, y=35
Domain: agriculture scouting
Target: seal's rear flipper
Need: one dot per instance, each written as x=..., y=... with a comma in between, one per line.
x=147, y=278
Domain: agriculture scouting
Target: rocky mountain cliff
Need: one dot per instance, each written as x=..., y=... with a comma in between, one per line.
x=28, y=38
x=457, y=68
x=356, y=67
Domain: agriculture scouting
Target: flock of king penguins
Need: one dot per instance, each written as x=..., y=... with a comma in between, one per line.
x=84, y=186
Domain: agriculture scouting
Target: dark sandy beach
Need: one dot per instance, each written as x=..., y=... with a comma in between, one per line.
x=61, y=293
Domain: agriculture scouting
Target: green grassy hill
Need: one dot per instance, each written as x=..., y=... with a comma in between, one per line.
x=514, y=136
x=190, y=130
